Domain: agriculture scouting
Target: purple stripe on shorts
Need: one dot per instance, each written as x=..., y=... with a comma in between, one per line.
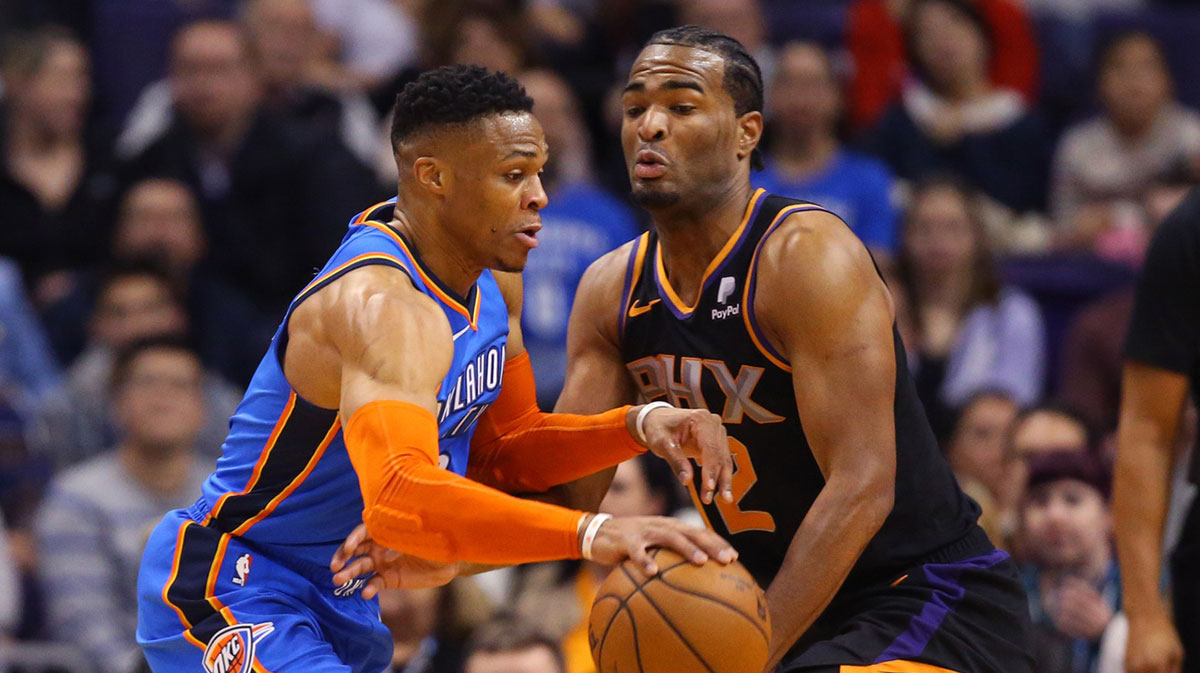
x=947, y=592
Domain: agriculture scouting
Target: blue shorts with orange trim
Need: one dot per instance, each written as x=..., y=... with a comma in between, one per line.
x=208, y=602
x=962, y=610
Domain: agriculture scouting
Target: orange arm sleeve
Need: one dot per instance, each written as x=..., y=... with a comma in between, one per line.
x=414, y=506
x=519, y=449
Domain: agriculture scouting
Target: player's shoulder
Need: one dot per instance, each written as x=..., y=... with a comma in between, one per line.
x=367, y=299
x=608, y=272
x=813, y=241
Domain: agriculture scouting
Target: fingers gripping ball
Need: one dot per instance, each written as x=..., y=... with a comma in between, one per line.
x=685, y=619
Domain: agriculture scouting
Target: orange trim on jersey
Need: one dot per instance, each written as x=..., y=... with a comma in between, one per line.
x=370, y=255
x=712, y=266
x=312, y=464
x=897, y=666
x=362, y=217
x=262, y=458
x=187, y=635
x=470, y=314
x=175, y=573
x=748, y=308
x=213, y=571
x=639, y=258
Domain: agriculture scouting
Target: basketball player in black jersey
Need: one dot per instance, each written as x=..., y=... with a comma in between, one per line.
x=770, y=312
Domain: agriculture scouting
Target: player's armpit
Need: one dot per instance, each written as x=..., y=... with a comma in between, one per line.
x=414, y=506
x=519, y=449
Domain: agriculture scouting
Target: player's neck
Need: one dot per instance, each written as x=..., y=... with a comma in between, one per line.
x=444, y=257
x=690, y=238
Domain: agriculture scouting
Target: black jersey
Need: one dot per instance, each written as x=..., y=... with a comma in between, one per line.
x=713, y=355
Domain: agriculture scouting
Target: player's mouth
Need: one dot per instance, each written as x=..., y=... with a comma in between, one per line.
x=528, y=234
x=649, y=165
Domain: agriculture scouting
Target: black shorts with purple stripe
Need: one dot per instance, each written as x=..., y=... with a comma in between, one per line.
x=962, y=610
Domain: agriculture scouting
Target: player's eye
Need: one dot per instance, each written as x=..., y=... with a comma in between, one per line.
x=683, y=109
x=634, y=112
x=514, y=176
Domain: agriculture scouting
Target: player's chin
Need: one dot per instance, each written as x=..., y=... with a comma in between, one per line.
x=654, y=194
x=512, y=262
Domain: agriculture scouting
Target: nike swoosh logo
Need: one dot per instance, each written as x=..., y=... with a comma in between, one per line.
x=635, y=310
x=460, y=333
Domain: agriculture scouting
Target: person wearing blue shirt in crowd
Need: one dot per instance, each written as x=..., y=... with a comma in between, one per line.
x=806, y=159
x=581, y=223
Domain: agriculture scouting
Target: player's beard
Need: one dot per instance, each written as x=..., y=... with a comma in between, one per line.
x=652, y=198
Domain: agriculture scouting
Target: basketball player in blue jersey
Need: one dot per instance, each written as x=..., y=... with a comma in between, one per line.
x=768, y=311
x=396, y=374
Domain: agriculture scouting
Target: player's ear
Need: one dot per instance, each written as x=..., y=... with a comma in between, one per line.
x=430, y=174
x=750, y=130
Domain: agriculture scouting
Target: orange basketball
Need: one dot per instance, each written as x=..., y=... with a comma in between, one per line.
x=686, y=619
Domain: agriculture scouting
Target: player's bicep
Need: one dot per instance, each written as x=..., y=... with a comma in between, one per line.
x=831, y=315
x=393, y=343
x=596, y=379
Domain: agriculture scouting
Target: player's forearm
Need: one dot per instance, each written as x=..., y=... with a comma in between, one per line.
x=414, y=506
x=842, y=520
x=548, y=449
x=1141, y=488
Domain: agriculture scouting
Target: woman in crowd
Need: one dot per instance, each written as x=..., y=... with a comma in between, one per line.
x=970, y=332
x=953, y=118
x=55, y=185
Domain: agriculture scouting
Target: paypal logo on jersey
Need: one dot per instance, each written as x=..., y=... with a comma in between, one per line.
x=464, y=403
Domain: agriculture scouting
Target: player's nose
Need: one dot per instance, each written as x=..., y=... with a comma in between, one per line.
x=653, y=125
x=535, y=196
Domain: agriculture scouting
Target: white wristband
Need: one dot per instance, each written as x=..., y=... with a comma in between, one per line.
x=640, y=424
x=589, y=535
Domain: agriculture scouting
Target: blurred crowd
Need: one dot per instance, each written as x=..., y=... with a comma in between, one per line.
x=173, y=171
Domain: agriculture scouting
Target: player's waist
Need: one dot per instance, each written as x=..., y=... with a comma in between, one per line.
x=310, y=560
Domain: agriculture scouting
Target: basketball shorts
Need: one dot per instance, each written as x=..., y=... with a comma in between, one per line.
x=208, y=602
x=963, y=610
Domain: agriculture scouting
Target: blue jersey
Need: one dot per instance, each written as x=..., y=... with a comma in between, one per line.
x=284, y=482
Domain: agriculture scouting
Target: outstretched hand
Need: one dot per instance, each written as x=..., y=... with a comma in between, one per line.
x=359, y=555
x=677, y=435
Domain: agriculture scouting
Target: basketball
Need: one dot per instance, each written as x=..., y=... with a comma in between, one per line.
x=686, y=619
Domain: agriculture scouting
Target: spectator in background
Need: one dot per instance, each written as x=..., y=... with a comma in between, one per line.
x=430, y=626
x=374, y=39
x=742, y=20
x=979, y=455
x=159, y=219
x=1071, y=577
x=55, y=179
x=508, y=646
x=1104, y=167
x=10, y=588
x=300, y=84
x=972, y=333
x=275, y=195
x=558, y=596
x=28, y=370
x=94, y=522
x=953, y=118
x=1090, y=376
x=581, y=223
x=875, y=39
x=134, y=301
x=806, y=159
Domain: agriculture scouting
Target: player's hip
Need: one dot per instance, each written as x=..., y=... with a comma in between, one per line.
x=969, y=614
x=191, y=573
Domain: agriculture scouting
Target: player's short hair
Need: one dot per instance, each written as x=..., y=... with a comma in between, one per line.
x=742, y=79
x=454, y=95
x=508, y=634
x=125, y=357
